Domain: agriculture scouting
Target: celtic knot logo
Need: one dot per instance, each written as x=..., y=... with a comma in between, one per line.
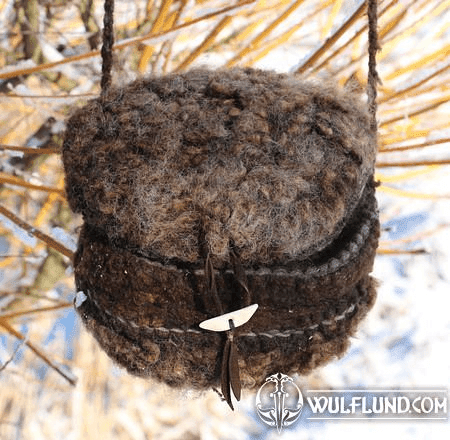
x=279, y=401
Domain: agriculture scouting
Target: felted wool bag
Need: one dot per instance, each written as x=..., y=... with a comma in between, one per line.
x=207, y=191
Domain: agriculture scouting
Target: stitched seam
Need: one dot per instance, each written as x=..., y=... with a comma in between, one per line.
x=331, y=266
x=268, y=334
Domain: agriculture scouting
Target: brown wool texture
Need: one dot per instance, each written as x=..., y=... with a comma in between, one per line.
x=270, y=167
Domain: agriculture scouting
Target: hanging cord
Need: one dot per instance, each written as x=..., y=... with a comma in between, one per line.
x=373, y=79
x=108, y=42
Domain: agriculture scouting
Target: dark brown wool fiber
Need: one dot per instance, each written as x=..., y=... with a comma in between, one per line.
x=267, y=167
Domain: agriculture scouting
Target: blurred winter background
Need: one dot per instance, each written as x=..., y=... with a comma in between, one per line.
x=49, y=64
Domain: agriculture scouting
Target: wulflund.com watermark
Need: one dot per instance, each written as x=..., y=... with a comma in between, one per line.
x=280, y=403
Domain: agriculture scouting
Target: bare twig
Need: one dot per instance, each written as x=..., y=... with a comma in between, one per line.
x=413, y=147
x=36, y=233
x=331, y=40
x=13, y=180
x=425, y=109
x=63, y=305
x=28, y=14
x=91, y=26
x=409, y=89
x=65, y=96
x=256, y=42
x=27, y=150
x=402, y=251
x=37, y=351
x=23, y=341
x=205, y=44
x=418, y=163
x=123, y=45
